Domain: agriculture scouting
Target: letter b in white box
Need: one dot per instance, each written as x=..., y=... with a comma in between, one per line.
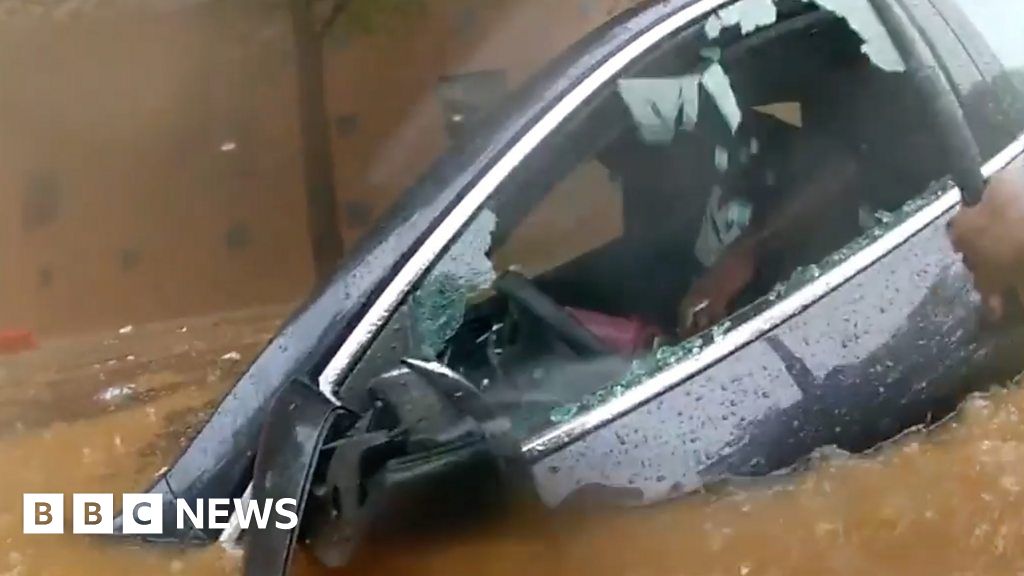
x=42, y=513
x=142, y=514
x=93, y=514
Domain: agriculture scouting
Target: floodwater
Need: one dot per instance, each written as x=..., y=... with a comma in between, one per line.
x=106, y=413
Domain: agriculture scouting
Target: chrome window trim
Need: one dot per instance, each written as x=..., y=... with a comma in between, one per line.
x=386, y=304
x=547, y=442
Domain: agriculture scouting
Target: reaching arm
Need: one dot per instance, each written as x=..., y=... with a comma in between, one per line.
x=789, y=224
x=990, y=237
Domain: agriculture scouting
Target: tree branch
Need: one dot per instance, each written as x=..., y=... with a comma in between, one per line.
x=337, y=8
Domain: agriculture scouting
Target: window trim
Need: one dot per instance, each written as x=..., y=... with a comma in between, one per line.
x=388, y=301
x=439, y=239
x=545, y=443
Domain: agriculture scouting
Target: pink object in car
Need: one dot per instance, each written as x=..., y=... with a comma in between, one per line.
x=623, y=335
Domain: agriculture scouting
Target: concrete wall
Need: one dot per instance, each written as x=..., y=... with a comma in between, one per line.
x=149, y=166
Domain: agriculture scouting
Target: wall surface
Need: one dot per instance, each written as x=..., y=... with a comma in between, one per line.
x=149, y=162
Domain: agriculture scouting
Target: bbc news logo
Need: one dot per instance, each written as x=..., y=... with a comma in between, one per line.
x=143, y=514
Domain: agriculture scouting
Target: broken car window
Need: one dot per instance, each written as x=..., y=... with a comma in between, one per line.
x=742, y=158
x=440, y=303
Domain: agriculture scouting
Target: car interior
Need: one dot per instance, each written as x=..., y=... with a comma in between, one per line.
x=534, y=345
x=492, y=348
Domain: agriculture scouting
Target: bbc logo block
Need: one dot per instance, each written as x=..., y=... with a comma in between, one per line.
x=92, y=513
x=144, y=513
x=43, y=513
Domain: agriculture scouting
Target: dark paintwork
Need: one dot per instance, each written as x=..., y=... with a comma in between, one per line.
x=897, y=346
x=297, y=424
x=885, y=351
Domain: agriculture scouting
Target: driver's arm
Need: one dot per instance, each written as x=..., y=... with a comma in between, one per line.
x=784, y=227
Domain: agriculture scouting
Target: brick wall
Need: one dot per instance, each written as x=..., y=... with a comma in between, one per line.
x=149, y=166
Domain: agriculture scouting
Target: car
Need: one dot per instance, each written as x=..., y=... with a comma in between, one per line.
x=513, y=328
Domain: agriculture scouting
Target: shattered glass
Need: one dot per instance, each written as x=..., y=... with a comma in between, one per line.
x=749, y=15
x=659, y=106
x=863, y=19
x=438, y=307
x=713, y=53
x=802, y=276
x=717, y=83
x=655, y=103
x=564, y=413
x=643, y=369
x=691, y=101
x=721, y=158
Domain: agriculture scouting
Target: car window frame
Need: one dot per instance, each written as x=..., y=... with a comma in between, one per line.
x=557, y=437
x=460, y=215
x=433, y=248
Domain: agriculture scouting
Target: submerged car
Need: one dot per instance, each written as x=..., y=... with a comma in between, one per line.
x=514, y=326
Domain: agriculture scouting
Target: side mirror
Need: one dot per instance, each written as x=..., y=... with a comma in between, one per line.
x=418, y=458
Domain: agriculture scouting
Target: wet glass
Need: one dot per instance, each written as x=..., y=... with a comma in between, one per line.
x=995, y=104
x=153, y=238
x=709, y=143
x=153, y=231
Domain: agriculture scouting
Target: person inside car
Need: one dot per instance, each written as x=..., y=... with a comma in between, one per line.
x=864, y=146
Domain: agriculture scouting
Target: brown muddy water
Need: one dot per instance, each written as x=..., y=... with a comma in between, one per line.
x=106, y=413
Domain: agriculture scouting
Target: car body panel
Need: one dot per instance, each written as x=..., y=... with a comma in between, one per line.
x=765, y=396
x=889, y=350
x=219, y=460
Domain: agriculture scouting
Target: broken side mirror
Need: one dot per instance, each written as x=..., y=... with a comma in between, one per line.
x=424, y=455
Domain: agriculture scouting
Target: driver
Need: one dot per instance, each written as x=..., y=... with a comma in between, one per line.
x=861, y=148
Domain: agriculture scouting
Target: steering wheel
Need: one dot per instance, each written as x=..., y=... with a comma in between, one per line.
x=524, y=294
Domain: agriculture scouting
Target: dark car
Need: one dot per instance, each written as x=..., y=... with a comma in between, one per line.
x=513, y=328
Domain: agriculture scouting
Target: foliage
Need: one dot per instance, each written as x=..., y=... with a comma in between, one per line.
x=371, y=16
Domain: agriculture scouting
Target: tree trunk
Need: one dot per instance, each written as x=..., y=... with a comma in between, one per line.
x=317, y=158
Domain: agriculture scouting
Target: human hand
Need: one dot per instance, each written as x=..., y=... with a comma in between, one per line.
x=990, y=238
x=710, y=297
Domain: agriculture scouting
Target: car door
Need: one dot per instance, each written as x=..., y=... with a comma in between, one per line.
x=537, y=323
x=884, y=337
x=219, y=460
x=667, y=155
